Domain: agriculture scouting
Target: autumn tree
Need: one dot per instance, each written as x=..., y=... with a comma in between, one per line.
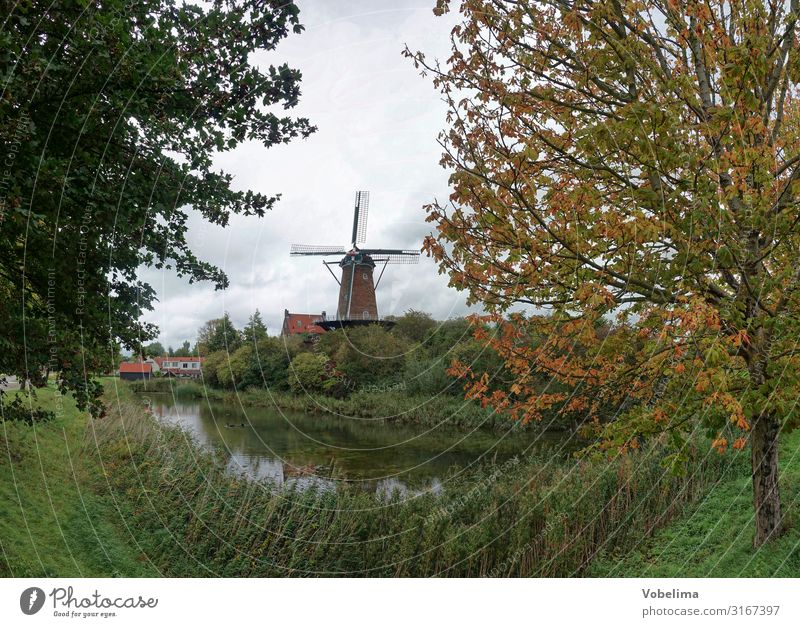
x=636, y=162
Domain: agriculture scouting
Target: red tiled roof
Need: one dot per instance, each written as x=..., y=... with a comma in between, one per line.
x=127, y=366
x=302, y=323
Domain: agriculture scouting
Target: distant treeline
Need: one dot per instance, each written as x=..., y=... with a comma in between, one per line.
x=405, y=365
x=413, y=356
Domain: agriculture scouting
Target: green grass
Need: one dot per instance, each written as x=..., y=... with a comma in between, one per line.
x=51, y=522
x=127, y=496
x=714, y=538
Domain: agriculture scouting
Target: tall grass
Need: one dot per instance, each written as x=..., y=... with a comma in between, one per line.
x=538, y=517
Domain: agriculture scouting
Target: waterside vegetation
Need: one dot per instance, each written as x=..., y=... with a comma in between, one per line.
x=156, y=503
x=400, y=374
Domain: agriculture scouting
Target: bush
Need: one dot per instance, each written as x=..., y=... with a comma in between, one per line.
x=236, y=372
x=442, y=338
x=426, y=376
x=270, y=362
x=414, y=325
x=368, y=355
x=309, y=372
x=264, y=364
x=213, y=366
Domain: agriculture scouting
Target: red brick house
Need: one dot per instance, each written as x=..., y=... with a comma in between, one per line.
x=294, y=324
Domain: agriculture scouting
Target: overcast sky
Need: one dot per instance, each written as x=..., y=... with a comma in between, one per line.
x=378, y=123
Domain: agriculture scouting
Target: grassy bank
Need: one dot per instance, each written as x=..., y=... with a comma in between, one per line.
x=393, y=406
x=714, y=537
x=127, y=496
x=54, y=520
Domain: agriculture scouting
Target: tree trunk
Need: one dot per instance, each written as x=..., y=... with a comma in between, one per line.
x=766, y=494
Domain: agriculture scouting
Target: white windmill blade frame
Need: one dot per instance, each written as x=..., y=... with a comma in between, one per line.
x=313, y=249
x=405, y=258
x=360, y=221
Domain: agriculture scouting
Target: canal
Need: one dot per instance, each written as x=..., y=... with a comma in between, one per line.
x=323, y=449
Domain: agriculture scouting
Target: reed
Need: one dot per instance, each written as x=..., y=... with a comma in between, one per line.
x=537, y=517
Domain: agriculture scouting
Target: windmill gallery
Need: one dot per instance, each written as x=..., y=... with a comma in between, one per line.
x=357, y=304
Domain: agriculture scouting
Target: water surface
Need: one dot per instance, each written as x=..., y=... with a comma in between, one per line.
x=323, y=449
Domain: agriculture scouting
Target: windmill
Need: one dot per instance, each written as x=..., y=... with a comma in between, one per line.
x=357, y=304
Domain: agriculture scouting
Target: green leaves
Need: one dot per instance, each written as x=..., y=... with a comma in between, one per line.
x=309, y=373
x=111, y=117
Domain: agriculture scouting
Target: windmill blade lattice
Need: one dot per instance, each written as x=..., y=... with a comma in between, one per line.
x=393, y=255
x=360, y=218
x=310, y=249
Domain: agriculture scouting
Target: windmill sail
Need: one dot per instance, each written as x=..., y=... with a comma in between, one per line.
x=392, y=255
x=360, y=218
x=310, y=249
x=397, y=259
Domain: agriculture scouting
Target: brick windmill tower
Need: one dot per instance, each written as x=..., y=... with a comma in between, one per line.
x=357, y=304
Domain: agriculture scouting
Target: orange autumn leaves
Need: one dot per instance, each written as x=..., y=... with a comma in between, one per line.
x=628, y=172
x=570, y=368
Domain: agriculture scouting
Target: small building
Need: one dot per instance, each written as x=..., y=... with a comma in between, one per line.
x=135, y=371
x=191, y=367
x=295, y=324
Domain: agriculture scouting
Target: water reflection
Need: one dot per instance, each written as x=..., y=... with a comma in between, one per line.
x=320, y=450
